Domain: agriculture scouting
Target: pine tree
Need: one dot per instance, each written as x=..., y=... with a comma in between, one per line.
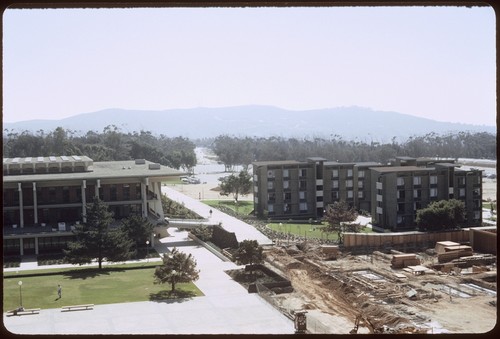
x=96, y=239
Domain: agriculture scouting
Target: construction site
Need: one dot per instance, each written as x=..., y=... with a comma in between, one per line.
x=444, y=289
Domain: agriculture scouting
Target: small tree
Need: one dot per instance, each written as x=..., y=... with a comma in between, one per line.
x=249, y=253
x=236, y=184
x=338, y=216
x=178, y=267
x=96, y=239
x=441, y=215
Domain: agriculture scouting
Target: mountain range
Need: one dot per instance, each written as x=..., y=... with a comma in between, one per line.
x=349, y=123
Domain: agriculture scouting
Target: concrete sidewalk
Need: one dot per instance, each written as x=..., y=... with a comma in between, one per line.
x=226, y=307
x=242, y=230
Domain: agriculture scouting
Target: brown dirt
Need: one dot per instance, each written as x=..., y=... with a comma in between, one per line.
x=333, y=297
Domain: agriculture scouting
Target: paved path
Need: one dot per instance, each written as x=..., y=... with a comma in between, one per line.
x=242, y=230
x=225, y=308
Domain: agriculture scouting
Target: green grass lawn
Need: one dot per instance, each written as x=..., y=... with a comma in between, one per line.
x=89, y=286
x=243, y=207
x=307, y=230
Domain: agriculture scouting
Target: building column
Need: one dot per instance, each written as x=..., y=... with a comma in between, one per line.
x=144, y=200
x=35, y=204
x=21, y=246
x=36, y=245
x=97, y=186
x=84, y=201
x=21, y=207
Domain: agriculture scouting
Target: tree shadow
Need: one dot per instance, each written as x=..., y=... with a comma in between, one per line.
x=168, y=296
x=90, y=273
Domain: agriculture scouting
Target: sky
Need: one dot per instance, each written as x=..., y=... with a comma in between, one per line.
x=432, y=62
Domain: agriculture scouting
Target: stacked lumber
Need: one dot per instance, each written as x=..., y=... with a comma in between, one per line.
x=404, y=260
x=441, y=246
x=454, y=252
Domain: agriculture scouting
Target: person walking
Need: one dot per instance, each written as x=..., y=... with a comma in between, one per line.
x=210, y=213
x=59, y=291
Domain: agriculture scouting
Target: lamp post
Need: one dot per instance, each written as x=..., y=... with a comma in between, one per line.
x=147, y=250
x=20, y=283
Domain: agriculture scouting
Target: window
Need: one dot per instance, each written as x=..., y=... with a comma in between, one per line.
x=461, y=192
x=287, y=196
x=271, y=197
x=433, y=193
x=350, y=194
x=433, y=179
x=400, y=219
x=286, y=173
x=303, y=206
x=52, y=194
x=66, y=194
x=400, y=181
x=302, y=184
x=401, y=207
x=303, y=172
x=349, y=172
x=286, y=184
x=270, y=185
x=477, y=215
x=476, y=192
x=417, y=181
x=400, y=194
x=112, y=192
x=270, y=174
x=360, y=194
x=360, y=183
x=288, y=208
x=270, y=208
x=348, y=183
x=361, y=174
x=417, y=193
x=335, y=195
x=335, y=184
x=461, y=181
x=335, y=173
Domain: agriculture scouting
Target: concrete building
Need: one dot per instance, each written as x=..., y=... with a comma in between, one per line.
x=44, y=197
x=400, y=191
x=392, y=194
x=302, y=190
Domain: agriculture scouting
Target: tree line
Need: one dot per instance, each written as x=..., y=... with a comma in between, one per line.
x=110, y=145
x=233, y=151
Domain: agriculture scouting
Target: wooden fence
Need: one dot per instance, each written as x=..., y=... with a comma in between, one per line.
x=358, y=241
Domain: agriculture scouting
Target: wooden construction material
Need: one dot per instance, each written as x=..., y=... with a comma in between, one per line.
x=441, y=245
x=404, y=260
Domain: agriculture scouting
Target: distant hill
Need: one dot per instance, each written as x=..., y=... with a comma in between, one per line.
x=260, y=121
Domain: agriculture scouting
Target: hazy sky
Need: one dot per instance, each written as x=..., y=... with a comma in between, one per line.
x=433, y=62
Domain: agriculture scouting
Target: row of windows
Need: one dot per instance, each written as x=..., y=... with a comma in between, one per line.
x=433, y=193
x=287, y=208
x=303, y=173
x=303, y=184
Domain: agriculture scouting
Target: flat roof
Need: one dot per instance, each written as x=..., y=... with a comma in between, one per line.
x=101, y=170
x=389, y=169
x=278, y=162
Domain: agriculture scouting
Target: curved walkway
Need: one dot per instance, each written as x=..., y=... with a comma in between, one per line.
x=242, y=230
